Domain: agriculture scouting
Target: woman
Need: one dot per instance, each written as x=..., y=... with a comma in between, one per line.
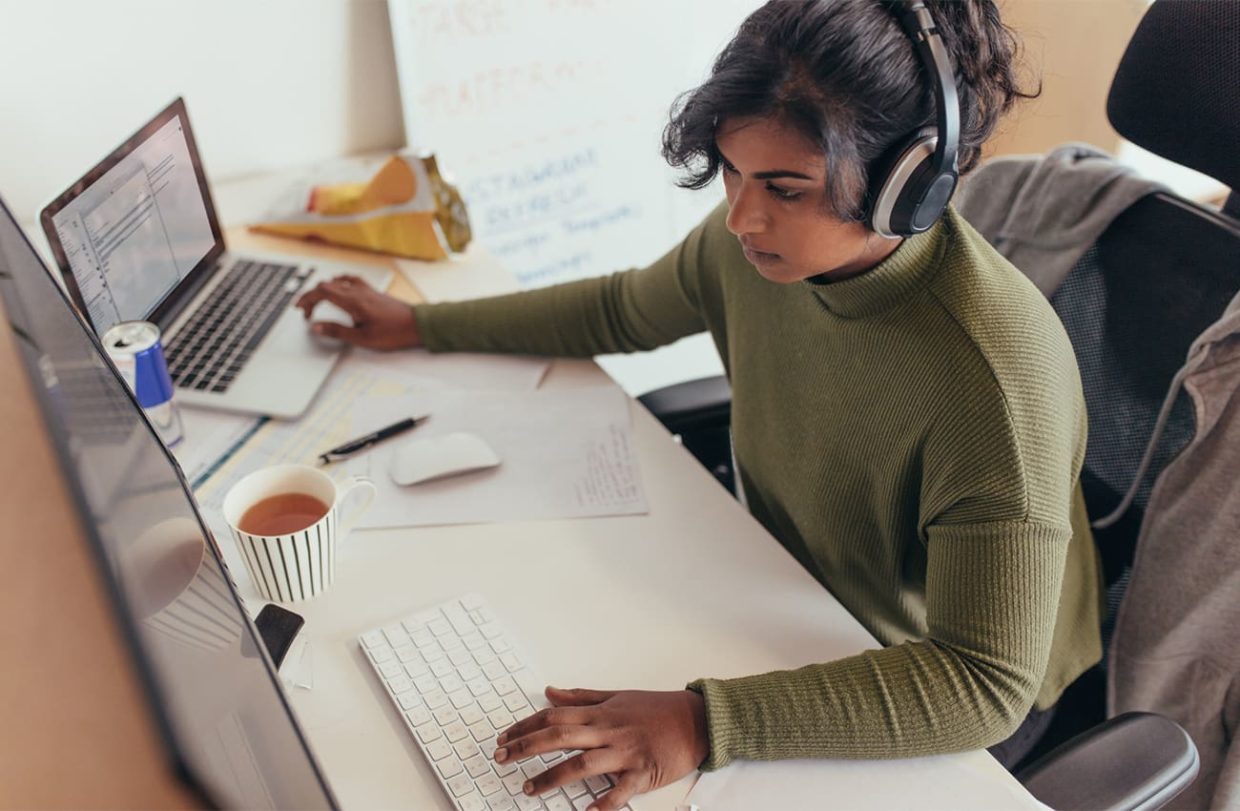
x=907, y=415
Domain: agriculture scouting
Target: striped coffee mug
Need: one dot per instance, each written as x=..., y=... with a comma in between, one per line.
x=302, y=563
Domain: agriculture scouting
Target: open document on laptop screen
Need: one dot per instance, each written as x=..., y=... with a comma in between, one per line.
x=136, y=231
x=227, y=722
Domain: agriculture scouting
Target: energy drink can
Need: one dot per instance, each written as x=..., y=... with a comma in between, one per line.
x=135, y=349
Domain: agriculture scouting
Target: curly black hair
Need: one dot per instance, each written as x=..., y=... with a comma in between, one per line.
x=844, y=74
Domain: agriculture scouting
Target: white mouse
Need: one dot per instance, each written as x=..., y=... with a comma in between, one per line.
x=427, y=458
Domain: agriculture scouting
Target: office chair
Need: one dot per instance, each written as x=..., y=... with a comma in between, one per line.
x=1162, y=271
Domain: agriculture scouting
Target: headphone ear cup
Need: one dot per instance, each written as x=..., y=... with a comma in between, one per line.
x=911, y=197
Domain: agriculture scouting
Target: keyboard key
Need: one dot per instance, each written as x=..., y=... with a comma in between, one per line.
x=451, y=683
x=467, y=749
x=416, y=668
x=409, y=700
x=501, y=802
x=426, y=684
x=418, y=716
x=422, y=638
x=381, y=654
x=505, y=686
x=390, y=669
x=527, y=803
x=583, y=802
x=407, y=653
x=559, y=803
x=472, y=601
x=460, y=657
x=468, y=672
x=461, y=698
x=442, y=668
x=494, y=669
x=473, y=641
x=449, y=767
x=516, y=703
x=513, y=783
x=532, y=767
x=428, y=733
x=490, y=630
x=575, y=789
x=489, y=784
x=435, y=699
x=473, y=802
x=482, y=731
x=455, y=731
x=478, y=766
x=373, y=639
x=500, y=719
x=451, y=643
x=489, y=702
x=479, y=686
x=445, y=715
x=400, y=683
x=472, y=715
x=439, y=627
x=511, y=661
x=597, y=784
x=483, y=656
x=461, y=785
x=438, y=750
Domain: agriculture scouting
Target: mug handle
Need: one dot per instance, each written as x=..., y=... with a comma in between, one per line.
x=351, y=485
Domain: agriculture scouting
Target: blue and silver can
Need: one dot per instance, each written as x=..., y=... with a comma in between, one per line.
x=135, y=349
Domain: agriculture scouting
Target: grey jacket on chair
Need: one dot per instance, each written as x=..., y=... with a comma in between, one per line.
x=1176, y=647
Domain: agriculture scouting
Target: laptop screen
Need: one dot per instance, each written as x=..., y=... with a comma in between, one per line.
x=131, y=231
x=225, y=718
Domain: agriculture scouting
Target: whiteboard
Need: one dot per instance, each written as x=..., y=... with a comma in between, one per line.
x=549, y=115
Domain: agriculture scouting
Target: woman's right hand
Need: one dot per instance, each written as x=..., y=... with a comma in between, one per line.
x=379, y=321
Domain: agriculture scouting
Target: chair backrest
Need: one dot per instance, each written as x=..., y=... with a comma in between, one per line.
x=1166, y=268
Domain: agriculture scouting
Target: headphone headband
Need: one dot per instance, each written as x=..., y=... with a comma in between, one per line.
x=928, y=43
x=918, y=177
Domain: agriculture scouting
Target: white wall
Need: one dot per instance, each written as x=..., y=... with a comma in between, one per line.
x=268, y=83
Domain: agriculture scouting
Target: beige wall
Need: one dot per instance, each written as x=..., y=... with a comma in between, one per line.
x=1074, y=46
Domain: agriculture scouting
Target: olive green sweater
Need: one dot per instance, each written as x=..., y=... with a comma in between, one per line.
x=912, y=435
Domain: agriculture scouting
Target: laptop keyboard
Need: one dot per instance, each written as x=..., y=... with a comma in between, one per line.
x=457, y=681
x=211, y=349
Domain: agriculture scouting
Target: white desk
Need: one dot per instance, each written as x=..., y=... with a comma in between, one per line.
x=695, y=588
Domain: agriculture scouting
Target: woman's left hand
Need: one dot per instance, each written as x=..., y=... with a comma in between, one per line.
x=644, y=739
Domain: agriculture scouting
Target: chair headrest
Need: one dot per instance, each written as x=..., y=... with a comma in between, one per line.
x=1177, y=89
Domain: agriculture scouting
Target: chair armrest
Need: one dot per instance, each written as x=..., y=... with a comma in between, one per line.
x=1136, y=761
x=692, y=405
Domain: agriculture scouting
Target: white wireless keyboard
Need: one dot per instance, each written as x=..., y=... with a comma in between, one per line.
x=458, y=680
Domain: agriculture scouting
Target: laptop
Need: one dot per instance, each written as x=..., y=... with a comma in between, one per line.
x=220, y=710
x=137, y=238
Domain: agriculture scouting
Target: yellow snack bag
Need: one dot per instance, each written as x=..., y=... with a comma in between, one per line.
x=405, y=208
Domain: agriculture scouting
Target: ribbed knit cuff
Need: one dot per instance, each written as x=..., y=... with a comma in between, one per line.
x=719, y=728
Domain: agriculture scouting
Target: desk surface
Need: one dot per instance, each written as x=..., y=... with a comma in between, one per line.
x=695, y=588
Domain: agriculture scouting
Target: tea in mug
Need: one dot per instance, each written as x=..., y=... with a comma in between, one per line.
x=282, y=514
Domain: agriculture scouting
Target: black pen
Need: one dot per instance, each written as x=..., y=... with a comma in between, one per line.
x=370, y=439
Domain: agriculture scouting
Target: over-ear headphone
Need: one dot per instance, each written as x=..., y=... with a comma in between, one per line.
x=915, y=182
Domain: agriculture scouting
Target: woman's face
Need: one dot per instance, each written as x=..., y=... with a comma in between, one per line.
x=775, y=181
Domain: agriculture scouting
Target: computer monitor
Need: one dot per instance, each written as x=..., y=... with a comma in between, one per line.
x=226, y=722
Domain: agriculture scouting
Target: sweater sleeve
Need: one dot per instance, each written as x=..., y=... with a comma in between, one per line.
x=625, y=312
x=991, y=595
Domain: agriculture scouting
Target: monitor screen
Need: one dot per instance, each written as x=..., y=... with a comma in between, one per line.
x=137, y=225
x=227, y=723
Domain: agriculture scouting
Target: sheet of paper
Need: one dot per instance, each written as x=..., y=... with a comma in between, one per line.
x=864, y=784
x=564, y=453
x=353, y=402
